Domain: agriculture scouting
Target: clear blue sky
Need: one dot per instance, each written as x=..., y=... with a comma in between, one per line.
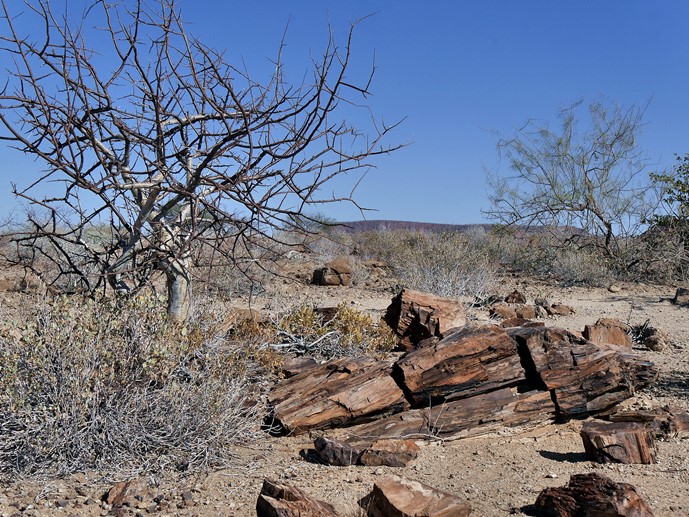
x=460, y=72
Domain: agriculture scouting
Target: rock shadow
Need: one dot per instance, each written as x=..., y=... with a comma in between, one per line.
x=569, y=457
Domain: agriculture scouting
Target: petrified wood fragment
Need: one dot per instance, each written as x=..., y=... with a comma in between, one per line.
x=592, y=494
x=666, y=422
x=389, y=453
x=335, y=452
x=618, y=442
x=415, y=316
x=395, y=496
x=610, y=331
x=280, y=500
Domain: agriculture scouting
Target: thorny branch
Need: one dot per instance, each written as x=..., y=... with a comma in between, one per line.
x=162, y=146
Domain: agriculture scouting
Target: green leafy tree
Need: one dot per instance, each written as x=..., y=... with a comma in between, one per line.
x=584, y=185
x=674, y=189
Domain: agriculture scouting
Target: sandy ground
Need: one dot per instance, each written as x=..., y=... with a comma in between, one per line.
x=499, y=474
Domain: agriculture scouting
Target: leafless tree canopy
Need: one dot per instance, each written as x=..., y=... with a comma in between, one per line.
x=153, y=142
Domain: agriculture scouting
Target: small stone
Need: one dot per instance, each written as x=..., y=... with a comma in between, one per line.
x=515, y=297
x=552, y=475
x=681, y=297
x=614, y=288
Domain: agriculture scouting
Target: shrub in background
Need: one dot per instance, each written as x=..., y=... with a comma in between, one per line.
x=448, y=264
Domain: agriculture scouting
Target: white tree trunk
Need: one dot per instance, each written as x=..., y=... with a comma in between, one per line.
x=178, y=289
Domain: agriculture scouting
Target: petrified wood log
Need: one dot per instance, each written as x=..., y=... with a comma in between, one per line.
x=460, y=418
x=335, y=394
x=395, y=496
x=592, y=494
x=482, y=377
x=618, y=442
x=279, y=500
x=584, y=377
x=467, y=362
x=415, y=316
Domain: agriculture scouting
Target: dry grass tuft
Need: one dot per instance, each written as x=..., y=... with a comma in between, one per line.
x=347, y=333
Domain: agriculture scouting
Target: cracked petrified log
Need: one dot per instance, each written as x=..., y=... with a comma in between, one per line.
x=476, y=377
x=619, y=442
x=583, y=377
x=467, y=362
x=592, y=494
x=338, y=393
x=415, y=316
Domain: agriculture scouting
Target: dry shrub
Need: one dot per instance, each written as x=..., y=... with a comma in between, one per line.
x=448, y=264
x=545, y=255
x=112, y=385
x=348, y=333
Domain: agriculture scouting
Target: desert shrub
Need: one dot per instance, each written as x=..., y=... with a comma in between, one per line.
x=113, y=385
x=581, y=267
x=447, y=264
x=347, y=332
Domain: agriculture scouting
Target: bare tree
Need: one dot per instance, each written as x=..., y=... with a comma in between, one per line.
x=588, y=187
x=158, y=143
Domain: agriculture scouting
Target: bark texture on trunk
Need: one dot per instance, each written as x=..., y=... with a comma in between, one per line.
x=178, y=289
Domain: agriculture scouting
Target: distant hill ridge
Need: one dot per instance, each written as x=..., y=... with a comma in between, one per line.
x=372, y=225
